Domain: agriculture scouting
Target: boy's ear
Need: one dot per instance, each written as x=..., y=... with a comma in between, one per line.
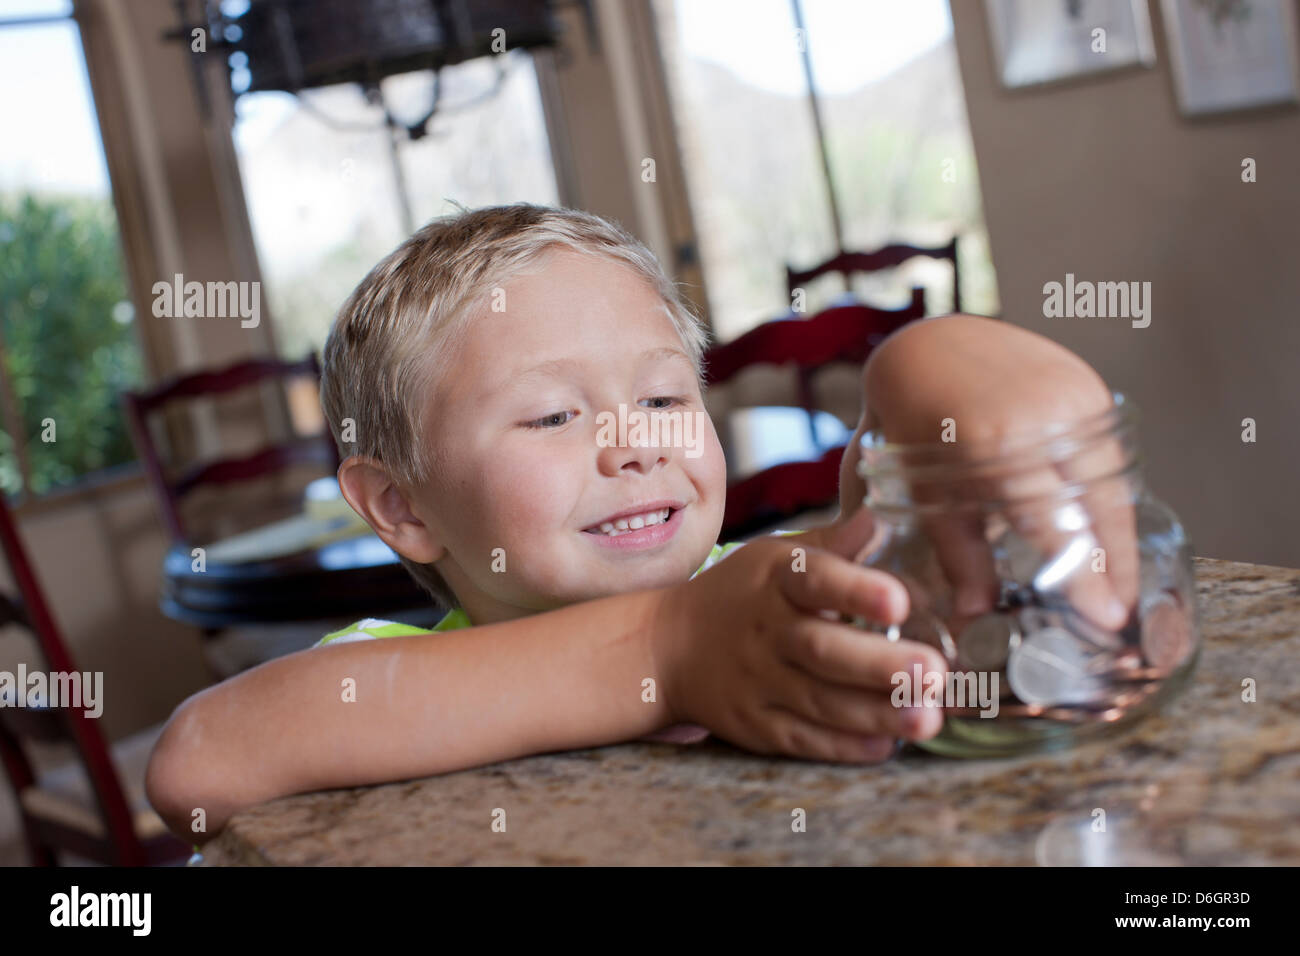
x=374, y=495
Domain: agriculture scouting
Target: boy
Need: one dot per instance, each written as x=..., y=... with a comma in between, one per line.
x=467, y=380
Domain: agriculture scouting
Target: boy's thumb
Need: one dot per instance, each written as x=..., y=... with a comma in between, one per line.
x=850, y=535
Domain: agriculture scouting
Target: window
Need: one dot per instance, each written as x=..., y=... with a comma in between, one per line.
x=896, y=133
x=67, y=346
x=330, y=191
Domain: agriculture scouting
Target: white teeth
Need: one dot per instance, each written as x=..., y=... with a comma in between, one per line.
x=635, y=523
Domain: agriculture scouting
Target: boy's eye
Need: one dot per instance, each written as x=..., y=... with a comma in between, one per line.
x=553, y=420
x=557, y=419
x=666, y=399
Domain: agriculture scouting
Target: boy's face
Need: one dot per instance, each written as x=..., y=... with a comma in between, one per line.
x=531, y=459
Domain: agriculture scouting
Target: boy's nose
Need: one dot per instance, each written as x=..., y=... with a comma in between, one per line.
x=616, y=458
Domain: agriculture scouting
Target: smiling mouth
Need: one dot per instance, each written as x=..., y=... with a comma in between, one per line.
x=629, y=523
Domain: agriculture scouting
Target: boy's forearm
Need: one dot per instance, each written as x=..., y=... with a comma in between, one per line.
x=424, y=704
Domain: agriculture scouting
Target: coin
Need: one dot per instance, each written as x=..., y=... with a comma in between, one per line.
x=985, y=642
x=924, y=628
x=1049, y=667
x=1166, y=631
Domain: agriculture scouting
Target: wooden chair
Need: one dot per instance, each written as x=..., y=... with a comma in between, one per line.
x=265, y=461
x=842, y=334
x=888, y=257
x=95, y=808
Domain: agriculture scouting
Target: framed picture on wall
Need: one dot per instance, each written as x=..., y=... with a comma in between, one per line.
x=1043, y=41
x=1231, y=54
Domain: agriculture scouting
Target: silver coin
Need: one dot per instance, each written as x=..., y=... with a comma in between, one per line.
x=986, y=642
x=1166, y=631
x=1050, y=667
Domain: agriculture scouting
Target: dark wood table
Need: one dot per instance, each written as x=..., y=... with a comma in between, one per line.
x=357, y=577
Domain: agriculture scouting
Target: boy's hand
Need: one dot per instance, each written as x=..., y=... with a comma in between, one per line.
x=754, y=650
x=995, y=380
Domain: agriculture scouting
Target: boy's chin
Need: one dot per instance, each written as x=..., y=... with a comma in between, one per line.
x=608, y=580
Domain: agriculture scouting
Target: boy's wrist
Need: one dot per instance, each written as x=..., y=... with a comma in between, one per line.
x=667, y=638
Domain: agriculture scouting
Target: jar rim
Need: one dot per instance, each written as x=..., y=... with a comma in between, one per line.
x=1122, y=409
x=879, y=457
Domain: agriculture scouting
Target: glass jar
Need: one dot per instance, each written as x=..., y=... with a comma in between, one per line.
x=1058, y=590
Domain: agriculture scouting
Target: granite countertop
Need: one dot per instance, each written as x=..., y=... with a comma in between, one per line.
x=1210, y=780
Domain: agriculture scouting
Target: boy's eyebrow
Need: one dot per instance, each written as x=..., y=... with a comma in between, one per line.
x=557, y=366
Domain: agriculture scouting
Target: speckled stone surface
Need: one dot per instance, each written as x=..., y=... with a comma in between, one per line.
x=1210, y=779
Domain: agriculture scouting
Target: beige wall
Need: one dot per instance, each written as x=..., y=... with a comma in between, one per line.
x=1104, y=179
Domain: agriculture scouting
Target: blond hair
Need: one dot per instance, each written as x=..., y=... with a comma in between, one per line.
x=395, y=336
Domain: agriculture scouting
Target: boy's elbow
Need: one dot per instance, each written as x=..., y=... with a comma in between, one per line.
x=172, y=782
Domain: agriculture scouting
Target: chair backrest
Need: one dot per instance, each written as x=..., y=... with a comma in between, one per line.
x=266, y=460
x=844, y=333
x=841, y=334
x=120, y=846
x=887, y=257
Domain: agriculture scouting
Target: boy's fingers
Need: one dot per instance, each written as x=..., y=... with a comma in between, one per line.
x=848, y=537
x=844, y=654
x=967, y=562
x=1061, y=532
x=853, y=709
x=796, y=735
x=1108, y=502
x=1116, y=530
x=817, y=580
x=851, y=534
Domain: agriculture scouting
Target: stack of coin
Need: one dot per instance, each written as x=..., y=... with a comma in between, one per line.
x=1055, y=664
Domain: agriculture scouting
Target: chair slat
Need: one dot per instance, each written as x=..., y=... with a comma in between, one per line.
x=266, y=460
x=169, y=490
x=886, y=257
